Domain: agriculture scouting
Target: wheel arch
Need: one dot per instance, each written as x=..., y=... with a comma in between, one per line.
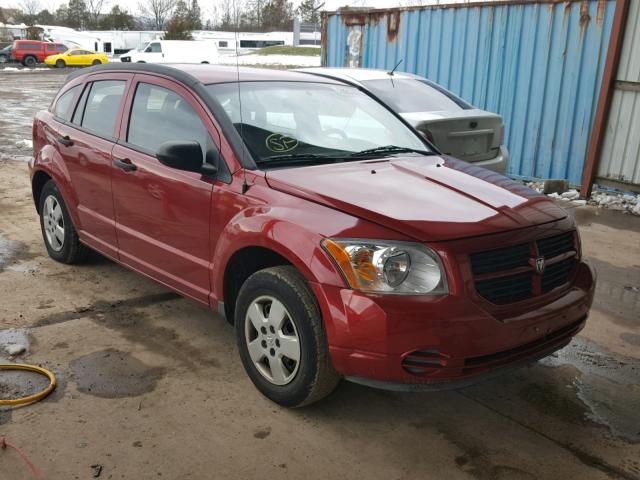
x=270, y=243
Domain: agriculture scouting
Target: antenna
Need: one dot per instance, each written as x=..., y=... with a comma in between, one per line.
x=245, y=185
x=394, y=68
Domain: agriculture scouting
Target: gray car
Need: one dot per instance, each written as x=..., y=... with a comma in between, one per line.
x=454, y=126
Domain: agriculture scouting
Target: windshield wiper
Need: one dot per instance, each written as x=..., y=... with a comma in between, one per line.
x=297, y=159
x=389, y=149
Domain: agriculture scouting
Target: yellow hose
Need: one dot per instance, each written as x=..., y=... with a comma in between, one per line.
x=37, y=396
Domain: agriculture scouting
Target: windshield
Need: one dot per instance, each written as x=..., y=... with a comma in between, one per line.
x=295, y=119
x=406, y=95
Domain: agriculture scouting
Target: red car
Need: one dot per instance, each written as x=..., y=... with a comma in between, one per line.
x=31, y=52
x=337, y=241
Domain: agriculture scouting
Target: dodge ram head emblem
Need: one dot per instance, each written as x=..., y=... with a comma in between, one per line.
x=540, y=265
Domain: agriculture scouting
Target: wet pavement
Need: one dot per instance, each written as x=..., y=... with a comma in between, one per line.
x=151, y=385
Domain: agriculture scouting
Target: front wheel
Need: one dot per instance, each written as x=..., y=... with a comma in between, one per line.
x=59, y=234
x=30, y=61
x=60, y=63
x=281, y=339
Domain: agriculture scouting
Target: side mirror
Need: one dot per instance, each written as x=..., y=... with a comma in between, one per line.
x=181, y=155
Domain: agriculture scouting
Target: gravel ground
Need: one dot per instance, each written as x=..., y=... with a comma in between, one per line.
x=150, y=384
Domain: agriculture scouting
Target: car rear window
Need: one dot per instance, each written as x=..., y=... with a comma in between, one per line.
x=55, y=47
x=102, y=105
x=406, y=95
x=64, y=105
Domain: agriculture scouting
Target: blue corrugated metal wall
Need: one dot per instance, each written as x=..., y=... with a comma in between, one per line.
x=538, y=64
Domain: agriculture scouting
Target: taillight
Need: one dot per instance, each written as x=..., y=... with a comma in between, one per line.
x=428, y=135
x=501, y=135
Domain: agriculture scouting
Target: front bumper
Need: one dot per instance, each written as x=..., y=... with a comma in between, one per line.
x=497, y=164
x=408, y=343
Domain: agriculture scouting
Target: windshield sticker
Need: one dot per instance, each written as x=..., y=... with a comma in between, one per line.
x=276, y=142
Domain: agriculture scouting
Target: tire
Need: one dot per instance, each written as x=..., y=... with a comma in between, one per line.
x=30, y=61
x=3, y=59
x=96, y=62
x=60, y=63
x=65, y=246
x=299, y=383
x=141, y=61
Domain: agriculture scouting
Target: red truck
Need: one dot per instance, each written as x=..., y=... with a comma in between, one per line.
x=31, y=52
x=337, y=241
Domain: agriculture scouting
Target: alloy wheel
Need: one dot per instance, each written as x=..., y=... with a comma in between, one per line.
x=53, y=222
x=272, y=340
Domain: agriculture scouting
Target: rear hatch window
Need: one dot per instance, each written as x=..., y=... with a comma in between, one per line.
x=406, y=95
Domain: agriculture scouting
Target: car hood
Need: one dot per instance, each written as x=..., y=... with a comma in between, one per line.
x=428, y=198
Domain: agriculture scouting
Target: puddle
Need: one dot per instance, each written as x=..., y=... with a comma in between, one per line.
x=608, y=384
x=8, y=250
x=17, y=384
x=114, y=374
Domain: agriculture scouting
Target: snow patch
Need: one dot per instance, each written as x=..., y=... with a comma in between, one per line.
x=613, y=200
x=280, y=60
x=24, y=144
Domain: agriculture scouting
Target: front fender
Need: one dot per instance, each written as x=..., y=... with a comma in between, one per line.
x=299, y=245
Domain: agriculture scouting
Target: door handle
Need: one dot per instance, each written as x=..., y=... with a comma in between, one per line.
x=66, y=141
x=124, y=164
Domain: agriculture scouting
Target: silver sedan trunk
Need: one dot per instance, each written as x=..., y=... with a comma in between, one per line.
x=472, y=135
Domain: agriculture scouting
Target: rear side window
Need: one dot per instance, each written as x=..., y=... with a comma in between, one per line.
x=64, y=105
x=159, y=115
x=29, y=46
x=102, y=105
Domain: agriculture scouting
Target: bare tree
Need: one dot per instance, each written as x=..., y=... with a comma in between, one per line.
x=94, y=8
x=157, y=10
x=30, y=7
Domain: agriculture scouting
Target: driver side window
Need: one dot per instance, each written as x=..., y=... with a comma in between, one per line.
x=159, y=115
x=154, y=48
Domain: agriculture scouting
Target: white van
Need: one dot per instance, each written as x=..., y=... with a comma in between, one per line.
x=174, y=51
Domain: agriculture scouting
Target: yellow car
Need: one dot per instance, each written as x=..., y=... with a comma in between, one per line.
x=76, y=57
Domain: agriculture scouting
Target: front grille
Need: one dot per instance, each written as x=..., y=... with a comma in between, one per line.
x=500, y=259
x=553, y=246
x=509, y=274
x=509, y=289
x=557, y=274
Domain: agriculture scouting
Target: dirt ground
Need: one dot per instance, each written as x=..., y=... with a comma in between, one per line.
x=151, y=386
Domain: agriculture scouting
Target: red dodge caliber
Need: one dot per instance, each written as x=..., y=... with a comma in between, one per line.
x=314, y=219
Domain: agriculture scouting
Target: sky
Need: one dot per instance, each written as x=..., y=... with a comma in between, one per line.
x=206, y=6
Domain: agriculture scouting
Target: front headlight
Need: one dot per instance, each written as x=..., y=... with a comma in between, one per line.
x=388, y=267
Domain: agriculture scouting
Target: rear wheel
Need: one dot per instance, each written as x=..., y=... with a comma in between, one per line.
x=96, y=62
x=3, y=59
x=30, y=61
x=59, y=234
x=60, y=63
x=281, y=339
